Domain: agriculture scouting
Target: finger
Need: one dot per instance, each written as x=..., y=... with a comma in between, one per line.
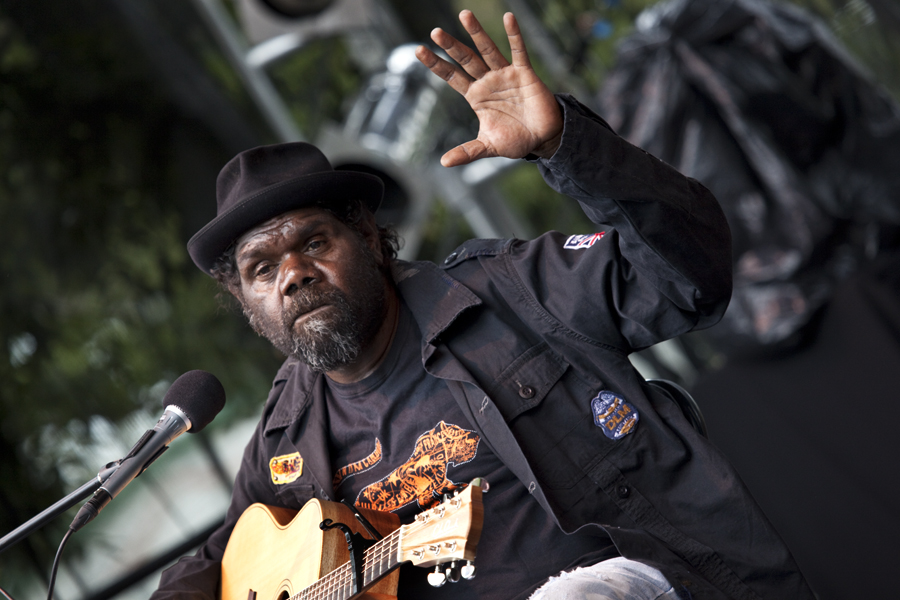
x=490, y=54
x=462, y=54
x=465, y=153
x=516, y=43
x=454, y=76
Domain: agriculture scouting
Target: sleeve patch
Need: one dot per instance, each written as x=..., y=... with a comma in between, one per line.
x=577, y=242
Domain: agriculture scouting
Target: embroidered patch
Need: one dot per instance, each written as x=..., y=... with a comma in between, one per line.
x=286, y=469
x=616, y=417
x=577, y=242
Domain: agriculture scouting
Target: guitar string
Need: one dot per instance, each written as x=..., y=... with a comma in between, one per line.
x=341, y=576
x=339, y=580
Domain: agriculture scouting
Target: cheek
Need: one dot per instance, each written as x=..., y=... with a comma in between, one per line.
x=363, y=267
x=260, y=307
x=254, y=295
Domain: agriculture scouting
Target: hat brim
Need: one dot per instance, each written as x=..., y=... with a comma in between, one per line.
x=326, y=189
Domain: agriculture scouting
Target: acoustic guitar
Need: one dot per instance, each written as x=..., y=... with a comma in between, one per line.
x=281, y=554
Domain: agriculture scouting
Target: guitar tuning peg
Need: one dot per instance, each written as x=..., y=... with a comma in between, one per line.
x=452, y=572
x=437, y=579
x=468, y=570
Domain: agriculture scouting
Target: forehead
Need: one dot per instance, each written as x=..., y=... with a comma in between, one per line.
x=282, y=226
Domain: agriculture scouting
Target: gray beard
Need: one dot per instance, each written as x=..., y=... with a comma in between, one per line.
x=324, y=348
x=336, y=338
x=326, y=344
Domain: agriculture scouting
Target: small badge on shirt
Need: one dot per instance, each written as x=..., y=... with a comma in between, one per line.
x=286, y=469
x=616, y=417
x=577, y=242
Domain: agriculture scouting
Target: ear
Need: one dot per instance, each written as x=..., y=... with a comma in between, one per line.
x=369, y=230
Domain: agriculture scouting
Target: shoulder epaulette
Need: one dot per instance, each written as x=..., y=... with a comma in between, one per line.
x=474, y=249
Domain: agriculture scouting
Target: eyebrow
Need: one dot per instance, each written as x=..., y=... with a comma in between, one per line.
x=242, y=254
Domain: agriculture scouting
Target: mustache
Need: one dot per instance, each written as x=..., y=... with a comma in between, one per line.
x=308, y=300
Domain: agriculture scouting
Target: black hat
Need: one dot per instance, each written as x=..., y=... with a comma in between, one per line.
x=262, y=183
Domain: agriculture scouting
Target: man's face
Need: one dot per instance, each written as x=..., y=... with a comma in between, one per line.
x=312, y=286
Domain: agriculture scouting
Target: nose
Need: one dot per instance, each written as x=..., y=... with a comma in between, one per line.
x=296, y=273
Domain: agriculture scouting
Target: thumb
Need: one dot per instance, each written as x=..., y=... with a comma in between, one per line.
x=465, y=153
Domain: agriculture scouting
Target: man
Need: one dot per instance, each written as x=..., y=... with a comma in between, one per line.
x=510, y=361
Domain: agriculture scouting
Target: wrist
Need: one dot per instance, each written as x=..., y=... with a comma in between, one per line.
x=548, y=148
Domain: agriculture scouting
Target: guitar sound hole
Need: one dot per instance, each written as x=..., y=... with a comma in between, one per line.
x=284, y=595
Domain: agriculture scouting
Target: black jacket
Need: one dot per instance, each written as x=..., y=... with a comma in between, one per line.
x=526, y=334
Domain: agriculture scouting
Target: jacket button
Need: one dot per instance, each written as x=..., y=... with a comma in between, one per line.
x=450, y=258
x=623, y=491
x=526, y=391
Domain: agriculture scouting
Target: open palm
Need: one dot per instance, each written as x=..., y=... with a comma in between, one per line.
x=517, y=113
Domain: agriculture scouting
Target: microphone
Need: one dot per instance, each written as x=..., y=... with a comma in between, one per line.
x=191, y=403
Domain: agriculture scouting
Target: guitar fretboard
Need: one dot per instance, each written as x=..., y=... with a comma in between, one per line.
x=379, y=560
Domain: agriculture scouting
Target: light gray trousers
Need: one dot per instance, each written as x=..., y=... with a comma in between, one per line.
x=613, y=579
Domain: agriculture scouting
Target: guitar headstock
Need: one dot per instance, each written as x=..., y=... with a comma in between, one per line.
x=445, y=533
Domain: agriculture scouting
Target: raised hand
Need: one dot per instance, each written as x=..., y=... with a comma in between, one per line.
x=517, y=113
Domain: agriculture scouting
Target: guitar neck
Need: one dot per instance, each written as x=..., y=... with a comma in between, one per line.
x=378, y=561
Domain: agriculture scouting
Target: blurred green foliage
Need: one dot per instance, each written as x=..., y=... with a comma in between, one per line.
x=100, y=306
x=317, y=83
x=542, y=207
x=588, y=31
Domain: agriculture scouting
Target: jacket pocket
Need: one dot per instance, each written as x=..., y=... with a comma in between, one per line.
x=548, y=408
x=526, y=381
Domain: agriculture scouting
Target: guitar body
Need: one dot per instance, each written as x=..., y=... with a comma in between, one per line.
x=276, y=552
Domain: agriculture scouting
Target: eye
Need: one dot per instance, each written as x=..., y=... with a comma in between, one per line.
x=262, y=269
x=315, y=245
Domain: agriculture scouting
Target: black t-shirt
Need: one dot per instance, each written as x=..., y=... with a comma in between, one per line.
x=399, y=441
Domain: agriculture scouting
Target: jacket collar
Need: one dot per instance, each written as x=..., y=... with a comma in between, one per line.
x=435, y=298
x=292, y=380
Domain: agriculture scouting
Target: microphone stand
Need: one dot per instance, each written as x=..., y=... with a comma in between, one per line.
x=60, y=507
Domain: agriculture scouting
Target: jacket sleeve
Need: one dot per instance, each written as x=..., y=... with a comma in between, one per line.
x=663, y=266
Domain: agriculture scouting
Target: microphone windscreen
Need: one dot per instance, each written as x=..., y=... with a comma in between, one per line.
x=199, y=395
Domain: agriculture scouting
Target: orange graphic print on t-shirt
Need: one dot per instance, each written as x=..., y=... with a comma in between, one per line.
x=359, y=466
x=423, y=477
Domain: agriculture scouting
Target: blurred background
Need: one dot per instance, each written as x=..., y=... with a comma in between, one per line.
x=115, y=117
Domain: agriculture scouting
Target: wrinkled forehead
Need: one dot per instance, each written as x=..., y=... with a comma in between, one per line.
x=282, y=226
